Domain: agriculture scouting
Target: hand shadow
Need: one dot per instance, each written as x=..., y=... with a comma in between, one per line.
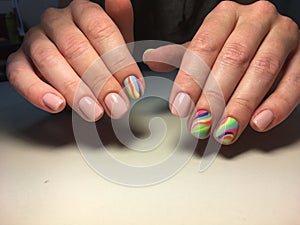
x=57, y=131
x=285, y=134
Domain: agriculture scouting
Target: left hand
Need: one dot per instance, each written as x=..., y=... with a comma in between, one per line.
x=248, y=49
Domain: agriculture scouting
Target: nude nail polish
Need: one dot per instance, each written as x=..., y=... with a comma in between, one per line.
x=116, y=105
x=181, y=105
x=145, y=52
x=263, y=119
x=90, y=108
x=53, y=101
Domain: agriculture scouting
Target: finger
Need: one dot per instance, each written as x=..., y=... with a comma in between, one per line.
x=107, y=40
x=234, y=58
x=201, y=55
x=84, y=59
x=279, y=105
x=258, y=79
x=56, y=70
x=166, y=58
x=122, y=14
x=22, y=76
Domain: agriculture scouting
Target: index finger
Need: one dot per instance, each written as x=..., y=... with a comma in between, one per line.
x=108, y=41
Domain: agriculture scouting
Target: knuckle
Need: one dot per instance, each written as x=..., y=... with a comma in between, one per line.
x=42, y=54
x=235, y=54
x=30, y=35
x=268, y=65
x=70, y=87
x=290, y=25
x=204, y=43
x=224, y=6
x=31, y=90
x=120, y=62
x=265, y=8
x=74, y=47
x=97, y=83
x=293, y=80
x=215, y=97
x=87, y=6
x=100, y=31
x=13, y=71
x=284, y=101
x=50, y=14
x=98, y=26
x=243, y=104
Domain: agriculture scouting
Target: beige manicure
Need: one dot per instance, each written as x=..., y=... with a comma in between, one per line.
x=263, y=119
x=52, y=101
x=116, y=105
x=90, y=108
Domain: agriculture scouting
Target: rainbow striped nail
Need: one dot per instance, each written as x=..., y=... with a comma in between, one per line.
x=227, y=130
x=201, y=124
x=134, y=87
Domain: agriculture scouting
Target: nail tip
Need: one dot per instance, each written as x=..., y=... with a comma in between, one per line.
x=90, y=109
x=134, y=87
x=227, y=131
x=201, y=124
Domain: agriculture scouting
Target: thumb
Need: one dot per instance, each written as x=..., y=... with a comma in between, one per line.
x=166, y=58
x=121, y=13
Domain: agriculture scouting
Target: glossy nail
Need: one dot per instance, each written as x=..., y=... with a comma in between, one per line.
x=134, y=87
x=201, y=124
x=263, y=119
x=181, y=105
x=145, y=52
x=116, y=105
x=227, y=130
x=53, y=101
x=90, y=108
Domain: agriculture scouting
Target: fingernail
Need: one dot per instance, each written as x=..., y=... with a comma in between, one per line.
x=145, y=52
x=52, y=101
x=116, y=105
x=134, y=87
x=263, y=119
x=90, y=108
x=181, y=105
x=227, y=130
x=201, y=124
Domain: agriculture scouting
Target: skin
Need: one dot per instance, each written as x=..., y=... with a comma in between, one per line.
x=245, y=58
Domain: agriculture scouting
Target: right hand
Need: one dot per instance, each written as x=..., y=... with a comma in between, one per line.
x=61, y=60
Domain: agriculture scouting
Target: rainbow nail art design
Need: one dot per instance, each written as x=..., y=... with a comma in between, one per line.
x=227, y=130
x=201, y=124
x=134, y=87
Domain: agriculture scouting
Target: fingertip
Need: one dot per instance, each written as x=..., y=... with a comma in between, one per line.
x=262, y=120
x=90, y=109
x=160, y=59
x=53, y=102
x=146, y=55
x=227, y=131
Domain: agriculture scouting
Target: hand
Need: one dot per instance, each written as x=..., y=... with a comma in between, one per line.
x=62, y=60
x=248, y=49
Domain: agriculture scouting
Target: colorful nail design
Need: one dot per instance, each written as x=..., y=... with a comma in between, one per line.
x=134, y=87
x=201, y=124
x=227, y=130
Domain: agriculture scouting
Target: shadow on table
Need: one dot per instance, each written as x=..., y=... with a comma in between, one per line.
x=57, y=130
x=283, y=135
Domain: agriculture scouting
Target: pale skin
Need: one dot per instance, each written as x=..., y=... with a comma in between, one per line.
x=247, y=48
